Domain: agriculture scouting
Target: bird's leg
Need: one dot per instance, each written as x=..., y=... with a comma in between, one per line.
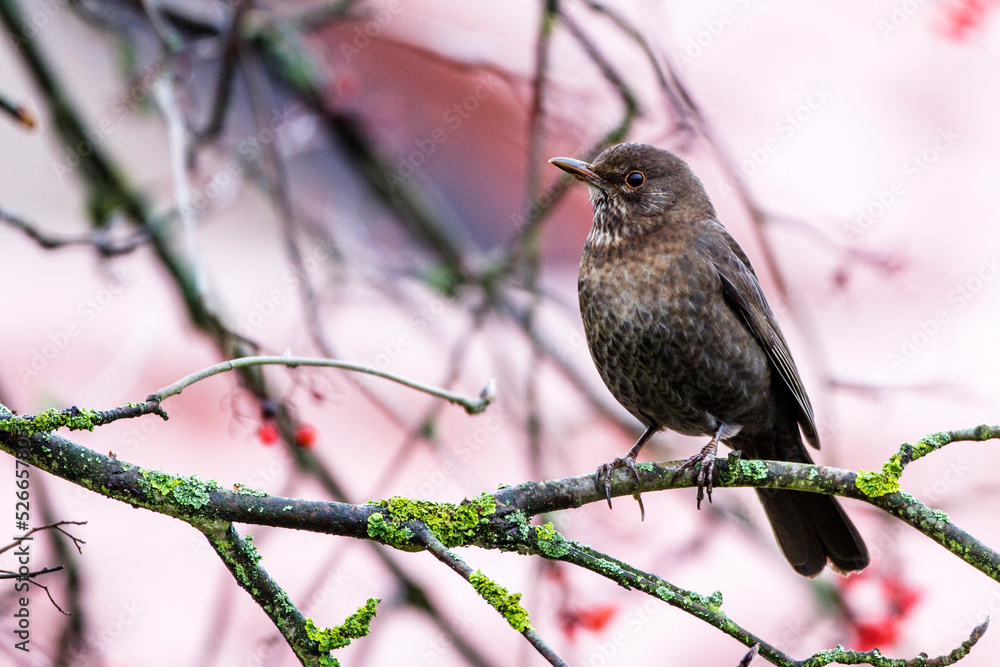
x=706, y=457
x=627, y=461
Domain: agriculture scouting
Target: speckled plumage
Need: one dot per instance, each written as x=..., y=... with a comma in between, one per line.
x=683, y=337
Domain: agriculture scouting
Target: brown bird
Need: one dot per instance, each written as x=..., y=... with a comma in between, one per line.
x=680, y=332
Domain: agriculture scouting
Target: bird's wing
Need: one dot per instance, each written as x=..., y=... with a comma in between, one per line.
x=740, y=286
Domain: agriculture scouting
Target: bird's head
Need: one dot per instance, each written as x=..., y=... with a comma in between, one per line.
x=636, y=189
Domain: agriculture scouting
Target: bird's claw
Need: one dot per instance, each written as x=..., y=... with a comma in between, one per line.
x=703, y=478
x=605, y=469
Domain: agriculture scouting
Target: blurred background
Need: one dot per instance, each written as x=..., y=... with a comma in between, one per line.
x=368, y=181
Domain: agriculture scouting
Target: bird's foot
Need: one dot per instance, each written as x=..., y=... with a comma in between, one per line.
x=605, y=469
x=706, y=457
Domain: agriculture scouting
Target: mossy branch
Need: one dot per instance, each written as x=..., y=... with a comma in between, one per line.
x=507, y=605
x=191, y=498
x=311, y=644
x=243, y=561
x=73, y=418
x=548, y=543
x=500, y=520
x=887, y=481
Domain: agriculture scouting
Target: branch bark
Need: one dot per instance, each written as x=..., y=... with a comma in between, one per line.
x=500, y=521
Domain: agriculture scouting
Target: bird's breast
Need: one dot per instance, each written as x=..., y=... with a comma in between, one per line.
x=665, y=341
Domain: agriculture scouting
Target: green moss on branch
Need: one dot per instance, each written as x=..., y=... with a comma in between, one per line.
x=508, y=604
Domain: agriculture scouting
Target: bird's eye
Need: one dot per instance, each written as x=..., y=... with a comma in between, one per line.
x=635, y=179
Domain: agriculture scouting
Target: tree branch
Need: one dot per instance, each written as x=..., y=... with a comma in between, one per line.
x=83, y=419
x=472, y=406
x=499, y=520
x=99, y=238
x=507, y=605
x=243, y=561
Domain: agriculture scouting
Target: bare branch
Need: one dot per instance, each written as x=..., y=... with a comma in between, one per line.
x=472, y=405
x=99, y=238
x=52, y=526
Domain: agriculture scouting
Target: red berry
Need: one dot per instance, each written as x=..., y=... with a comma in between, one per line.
x=597, y=617
x=902, y=597
x=569, y=622
x=878, y=634
x=961, y=17
x=268, y=433
x=305, y=435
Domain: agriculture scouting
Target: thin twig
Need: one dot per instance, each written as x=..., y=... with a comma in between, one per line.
x=418, y=433
x=52, y=526
x=30, y=578
x=99, y=238
x=441, y=552
x=179, y=143
x=472, y=405
x=679, y=105
x=222, y=94
x=7, y=574
x=20, y=113
x=546, y=202
x=318, y=15
x=71, y=636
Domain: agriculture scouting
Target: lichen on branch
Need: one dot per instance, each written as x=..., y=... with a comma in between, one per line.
x=355, y=626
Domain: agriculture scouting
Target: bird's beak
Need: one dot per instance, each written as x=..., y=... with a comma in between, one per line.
x=580, y=170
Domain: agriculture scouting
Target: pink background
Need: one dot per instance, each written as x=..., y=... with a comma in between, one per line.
x=892, y=318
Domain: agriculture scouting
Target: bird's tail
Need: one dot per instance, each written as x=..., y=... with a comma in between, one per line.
x=812, y=528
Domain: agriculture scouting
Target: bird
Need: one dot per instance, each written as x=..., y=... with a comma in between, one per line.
x=682, y=335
